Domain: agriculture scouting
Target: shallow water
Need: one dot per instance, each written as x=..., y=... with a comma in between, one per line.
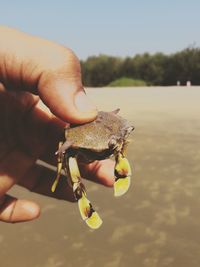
x=156, y=223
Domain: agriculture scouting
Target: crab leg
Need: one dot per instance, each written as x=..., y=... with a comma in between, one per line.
x=88, y=214
x=122, y=175
x=59, y=168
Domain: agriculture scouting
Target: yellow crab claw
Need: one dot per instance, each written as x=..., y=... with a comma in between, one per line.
x=88, y=214
x=55, y=183
x=122, y=167
x=84, y=207
x=122, y=175
x=121, y=186
x=94, y=221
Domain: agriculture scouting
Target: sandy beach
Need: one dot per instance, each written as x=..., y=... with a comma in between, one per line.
x=156, y=224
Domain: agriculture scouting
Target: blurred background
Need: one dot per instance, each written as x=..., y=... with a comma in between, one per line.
x=144, y=57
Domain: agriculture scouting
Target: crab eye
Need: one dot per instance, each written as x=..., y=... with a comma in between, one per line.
x=112, y=143
x=128, y=130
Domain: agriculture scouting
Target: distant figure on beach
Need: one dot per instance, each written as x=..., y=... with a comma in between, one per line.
x=188, y=83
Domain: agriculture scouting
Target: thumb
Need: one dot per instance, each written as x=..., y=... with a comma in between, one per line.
x=45, y=68
x=62, y=91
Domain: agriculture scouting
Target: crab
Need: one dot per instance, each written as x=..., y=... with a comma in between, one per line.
x=102, y=138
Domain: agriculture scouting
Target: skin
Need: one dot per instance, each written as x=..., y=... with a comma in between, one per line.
x=40, y=93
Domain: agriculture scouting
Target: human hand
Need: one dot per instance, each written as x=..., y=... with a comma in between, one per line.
x=40, y=92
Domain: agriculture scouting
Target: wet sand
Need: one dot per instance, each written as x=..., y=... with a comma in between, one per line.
x=156, y=223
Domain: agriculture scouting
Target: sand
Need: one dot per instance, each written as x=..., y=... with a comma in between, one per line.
x=156, y=223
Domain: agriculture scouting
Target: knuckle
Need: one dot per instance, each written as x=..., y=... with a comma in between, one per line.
x=70, y=64
x=63, y=64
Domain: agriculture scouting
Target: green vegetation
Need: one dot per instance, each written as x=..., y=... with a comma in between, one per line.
x=124, y=81
x=155, y=69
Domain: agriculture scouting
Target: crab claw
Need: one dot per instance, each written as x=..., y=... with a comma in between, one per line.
x=122, y=175
x=88, y=214
x=121, y=186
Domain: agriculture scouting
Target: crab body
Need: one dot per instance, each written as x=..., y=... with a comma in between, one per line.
x=100, y=138
x=105, y=136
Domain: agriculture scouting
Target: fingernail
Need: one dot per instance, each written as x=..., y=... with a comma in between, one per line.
x=31, y=209
x=83, y=103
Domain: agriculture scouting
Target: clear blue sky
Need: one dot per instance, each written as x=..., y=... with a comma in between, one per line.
x=113, y=27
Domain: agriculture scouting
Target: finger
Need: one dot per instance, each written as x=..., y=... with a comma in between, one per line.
x=63, y=93
x=13, y=210
x=12, y=168
x=99, y=171
x=39, y=179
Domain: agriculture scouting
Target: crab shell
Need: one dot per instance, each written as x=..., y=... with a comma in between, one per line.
x=100, y=138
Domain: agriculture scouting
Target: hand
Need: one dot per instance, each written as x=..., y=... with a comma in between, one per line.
x=40, y=92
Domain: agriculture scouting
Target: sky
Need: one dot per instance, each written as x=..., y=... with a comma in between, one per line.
x=118, y=28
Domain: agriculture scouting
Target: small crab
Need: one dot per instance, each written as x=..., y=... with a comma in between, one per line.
x=104, y=137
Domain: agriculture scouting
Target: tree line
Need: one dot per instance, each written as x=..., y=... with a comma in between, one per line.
x=154, y=69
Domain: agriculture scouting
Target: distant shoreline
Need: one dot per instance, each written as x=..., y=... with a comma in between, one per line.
x=148, y=86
